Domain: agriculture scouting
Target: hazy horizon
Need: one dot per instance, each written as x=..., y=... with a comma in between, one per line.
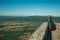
x=29, y=7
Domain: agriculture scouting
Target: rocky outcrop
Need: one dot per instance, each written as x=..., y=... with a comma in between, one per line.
x=39, y=33
x=42, y=34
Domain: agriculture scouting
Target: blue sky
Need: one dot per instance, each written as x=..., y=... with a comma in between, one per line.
x=29, y=7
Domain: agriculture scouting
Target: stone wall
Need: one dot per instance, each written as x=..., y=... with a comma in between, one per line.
x=42, y=34
x=39, y=33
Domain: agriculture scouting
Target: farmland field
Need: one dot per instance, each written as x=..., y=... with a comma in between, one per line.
x=17, y=31
x=21, y=28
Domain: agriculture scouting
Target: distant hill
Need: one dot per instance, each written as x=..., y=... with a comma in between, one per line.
x=28, y=18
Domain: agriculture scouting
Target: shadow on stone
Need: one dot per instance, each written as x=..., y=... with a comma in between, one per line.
x=48, y=33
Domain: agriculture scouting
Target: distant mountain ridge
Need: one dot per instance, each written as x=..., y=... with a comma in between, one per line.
x=28, y=18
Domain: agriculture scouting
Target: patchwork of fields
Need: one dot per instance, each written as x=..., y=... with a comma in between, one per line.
x=17, y=30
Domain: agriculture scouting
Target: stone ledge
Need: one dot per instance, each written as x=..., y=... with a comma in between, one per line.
x=39, y=33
